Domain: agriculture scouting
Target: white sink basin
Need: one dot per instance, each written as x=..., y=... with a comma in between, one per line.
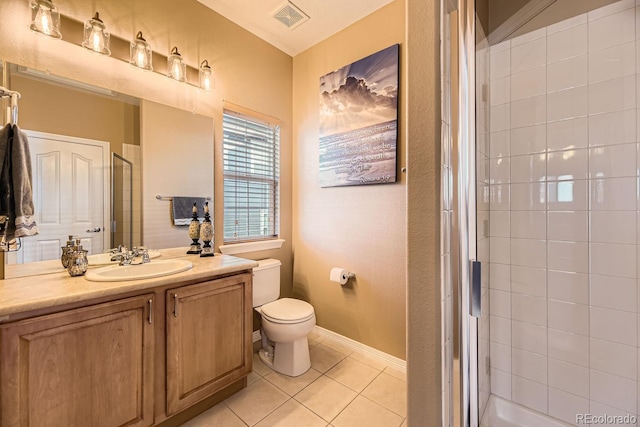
x=105, y=259
x=117, y=273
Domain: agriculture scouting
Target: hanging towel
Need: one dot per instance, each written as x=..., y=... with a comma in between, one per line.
x=16, y=192
x=182, y=209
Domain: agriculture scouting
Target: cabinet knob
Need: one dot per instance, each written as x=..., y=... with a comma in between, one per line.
x=175, y=305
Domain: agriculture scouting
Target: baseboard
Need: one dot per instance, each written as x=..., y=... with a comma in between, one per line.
x=363, y=349
x=356, y=346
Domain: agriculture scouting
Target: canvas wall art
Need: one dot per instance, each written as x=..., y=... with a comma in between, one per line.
x=359, y=121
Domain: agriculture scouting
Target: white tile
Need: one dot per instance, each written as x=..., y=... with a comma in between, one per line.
x=569, y=226
x=500, y=250
x=500, y=170
x=500, y=303
x=525, y=308
x=529, y=253
x=501, y=357
x=613, y=260
x=528, y=168
x=566, y=134
x=500, y=63
x=568, y=73
x=567, y=23
x=614, y=358
x=567, y=195
x=611, y=9
x=569, y=347
x=614, y=391
x=528, y=37
x=613, y=62
x=568, y=256
x=612, y=30
x=500, y=224
x=529, y=83
x=568, y=103
x=501, y=383
x=500, y=47
x=528, y=196
x=597, y=409
x=569, y=377
x=612, y=128
x=613, y=227
x=529, y=365
x=526, y=112
x=500, y=277
x=612, y=95
x=567, y=165
x=568, y=286
x=529, y=281
x=500, y=330
x=528, y=140
x=612, y=161
x=614, y=325
x=500, y=117
x=613, y=194
x=567, y=43
x=499, y=197
x=500, y=91
x=529, y=393
x=565, y=406
x=569, y=317
x=529, y=337
x=528, y=225
x=499, y=144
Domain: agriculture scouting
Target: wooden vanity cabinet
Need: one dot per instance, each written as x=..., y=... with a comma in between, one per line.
x=209, y=328
x=91, y=366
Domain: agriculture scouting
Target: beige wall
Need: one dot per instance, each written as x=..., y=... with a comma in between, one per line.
x=248, y=72
x=424, y=406
x=360, y=228
x=54, y=109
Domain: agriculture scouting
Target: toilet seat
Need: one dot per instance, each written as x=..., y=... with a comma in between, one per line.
x=287, y=311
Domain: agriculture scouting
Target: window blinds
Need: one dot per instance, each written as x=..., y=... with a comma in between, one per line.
x=251, y=157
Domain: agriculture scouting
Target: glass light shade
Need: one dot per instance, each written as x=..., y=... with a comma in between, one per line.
x=95, y=36
x=45, y=18
x=177, y=68
x=140, y=53
x=206, y=76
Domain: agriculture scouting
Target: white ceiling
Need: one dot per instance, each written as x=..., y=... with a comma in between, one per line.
x=327, y=17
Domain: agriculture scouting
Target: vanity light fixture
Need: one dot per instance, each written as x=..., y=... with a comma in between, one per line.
x=95, y=36
x=206, y=76
x=177, y=68
x=45, y=18
x=141, y=53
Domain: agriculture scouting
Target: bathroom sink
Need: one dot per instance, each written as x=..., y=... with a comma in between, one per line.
x=116, y=273
x=105, y=259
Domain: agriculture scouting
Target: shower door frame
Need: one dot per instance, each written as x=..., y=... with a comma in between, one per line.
x=462, y=232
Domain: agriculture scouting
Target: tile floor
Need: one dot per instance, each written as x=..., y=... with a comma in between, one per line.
x=342, y=389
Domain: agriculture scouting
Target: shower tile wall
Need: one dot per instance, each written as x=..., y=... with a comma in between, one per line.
x=564, y=221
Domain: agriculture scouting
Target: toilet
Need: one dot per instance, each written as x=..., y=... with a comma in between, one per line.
x=286, y=322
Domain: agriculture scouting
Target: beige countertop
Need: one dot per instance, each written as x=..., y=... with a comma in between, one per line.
x=32, y=292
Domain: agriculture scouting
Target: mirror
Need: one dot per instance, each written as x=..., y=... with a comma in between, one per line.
x=87, y=125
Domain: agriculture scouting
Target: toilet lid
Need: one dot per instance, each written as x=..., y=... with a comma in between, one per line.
x=287, y=310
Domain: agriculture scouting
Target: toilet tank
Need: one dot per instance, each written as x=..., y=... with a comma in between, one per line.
x=266, y=281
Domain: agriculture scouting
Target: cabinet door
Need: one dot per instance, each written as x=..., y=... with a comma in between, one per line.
x=208, y=338
x=91, y=366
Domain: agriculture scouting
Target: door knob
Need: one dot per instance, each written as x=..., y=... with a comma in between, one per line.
x=94, y=230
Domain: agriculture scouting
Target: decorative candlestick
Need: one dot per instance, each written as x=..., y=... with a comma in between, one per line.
x=194, y=232
x=206, y=233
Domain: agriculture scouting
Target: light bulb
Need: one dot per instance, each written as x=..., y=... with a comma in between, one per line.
x=45, y=18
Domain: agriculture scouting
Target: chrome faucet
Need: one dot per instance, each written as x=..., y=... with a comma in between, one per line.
x=126, y=256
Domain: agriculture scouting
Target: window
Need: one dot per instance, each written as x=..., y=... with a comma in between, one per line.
x=251, y=157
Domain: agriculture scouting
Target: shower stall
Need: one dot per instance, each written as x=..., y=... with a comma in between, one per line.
x=541, y=186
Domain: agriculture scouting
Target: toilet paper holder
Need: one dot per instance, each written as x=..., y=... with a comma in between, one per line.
x=341, y=275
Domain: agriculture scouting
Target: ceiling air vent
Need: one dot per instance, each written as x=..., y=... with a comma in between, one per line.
x=289, y=14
